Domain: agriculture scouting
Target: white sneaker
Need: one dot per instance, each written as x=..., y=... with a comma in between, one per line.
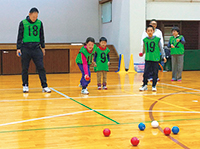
x=46, y=90
x=104, y=87
x=154, y=89
x=143, y=88
x=84, y=91
x=99, y=87
x=25, y=89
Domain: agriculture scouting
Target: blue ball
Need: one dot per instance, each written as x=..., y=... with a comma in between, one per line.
x=141, y=126
x=175, y=130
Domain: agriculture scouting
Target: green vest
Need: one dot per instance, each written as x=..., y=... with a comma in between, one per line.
x=179, y=47
x=152, y=49
x=101, y=60
x=31, y=31
x=89, y=56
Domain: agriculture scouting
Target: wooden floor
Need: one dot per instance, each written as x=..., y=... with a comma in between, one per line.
x=65, y=119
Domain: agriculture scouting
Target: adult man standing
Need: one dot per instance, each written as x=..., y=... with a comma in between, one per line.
x=156, y=33
x=30, y=45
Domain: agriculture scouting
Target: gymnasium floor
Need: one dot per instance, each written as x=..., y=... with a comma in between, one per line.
x=65, y=119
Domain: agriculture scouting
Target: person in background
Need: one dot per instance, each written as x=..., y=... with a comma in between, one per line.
x=176, y=43
x=101, y=62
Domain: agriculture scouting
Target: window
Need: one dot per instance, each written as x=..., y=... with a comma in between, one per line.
x=106, y=12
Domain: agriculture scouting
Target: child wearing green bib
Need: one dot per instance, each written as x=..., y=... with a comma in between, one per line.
x=101, y=62
x=83, y=60
x=176, y=43
x=152, y=48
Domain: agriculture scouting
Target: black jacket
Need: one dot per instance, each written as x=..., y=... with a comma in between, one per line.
x=32, y=44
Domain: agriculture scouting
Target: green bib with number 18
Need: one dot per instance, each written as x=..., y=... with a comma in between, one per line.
x=31, y=31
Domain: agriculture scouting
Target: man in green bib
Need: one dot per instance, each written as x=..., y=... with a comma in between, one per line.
x=31, y=45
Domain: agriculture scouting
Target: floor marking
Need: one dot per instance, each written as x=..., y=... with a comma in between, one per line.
x=152, y=118
x=83, y=126
x=91, y=86
x=195, y=101
x=86, y=111
x=160, y=101
x=85, y=106
x=16, y=100
x=159, y=111
x=110, y=96
x=42, y=118
x=180, y=87
x=37, y=88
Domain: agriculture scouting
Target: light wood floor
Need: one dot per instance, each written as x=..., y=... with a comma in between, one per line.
x=65, y=119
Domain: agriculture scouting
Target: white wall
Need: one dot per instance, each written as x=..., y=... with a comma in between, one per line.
x=117, y=31
x=125, y=30
x=137, y=27
x=173, y=10
x=64, y=20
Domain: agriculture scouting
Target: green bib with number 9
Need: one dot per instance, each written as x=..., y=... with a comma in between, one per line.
x=31, y=31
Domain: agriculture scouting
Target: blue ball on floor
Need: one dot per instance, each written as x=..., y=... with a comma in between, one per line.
x=141, y=126
x=175, y=130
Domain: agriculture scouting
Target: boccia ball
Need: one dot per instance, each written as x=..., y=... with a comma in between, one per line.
x=135, y=141
x=154, y=124
x=106, y=132
x=167, y=131
x=141, y=54
x=87, y=78
x=141, y=126
x=175, y=130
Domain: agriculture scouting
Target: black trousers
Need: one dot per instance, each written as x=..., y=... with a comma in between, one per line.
x=150, y=66
x=36, y=54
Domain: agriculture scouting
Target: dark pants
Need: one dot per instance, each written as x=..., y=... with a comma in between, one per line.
x=83, y=82
x=150, y=66
x=36, y=55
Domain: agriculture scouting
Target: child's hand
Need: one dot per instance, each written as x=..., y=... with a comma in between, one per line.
x=108, y=63
x=87, y=78
x=95, y=64
x=172, y=46
x=19, y=53
x=165, y=60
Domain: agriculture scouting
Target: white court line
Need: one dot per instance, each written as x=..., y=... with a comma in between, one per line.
x=46, y=117
x=91, y=86
x=90, y=97
x=180, y=87
x=40, y=99
x=158, y=111
x=73, y=113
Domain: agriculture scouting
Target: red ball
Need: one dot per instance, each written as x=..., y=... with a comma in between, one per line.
x=135, y=141
x=106, y=132
x=87, y=78
x=167, y=131
x=141, y=54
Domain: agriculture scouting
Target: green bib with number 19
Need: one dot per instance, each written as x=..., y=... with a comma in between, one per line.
x=152, y=49
x=31, y=31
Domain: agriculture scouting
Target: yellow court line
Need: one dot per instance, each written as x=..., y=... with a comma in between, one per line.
x=164, y=102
